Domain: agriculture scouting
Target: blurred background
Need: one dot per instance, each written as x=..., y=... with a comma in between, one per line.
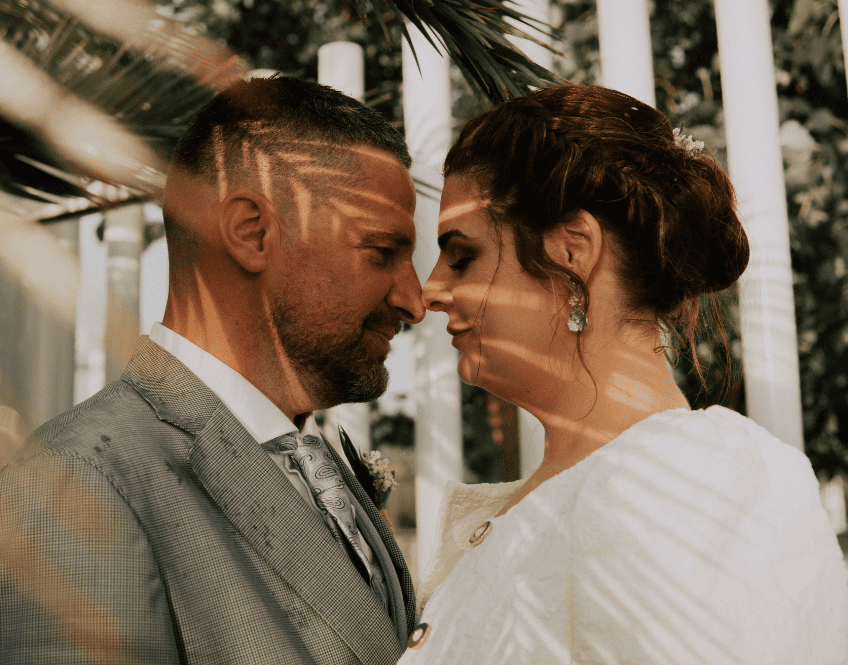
x=94, y=94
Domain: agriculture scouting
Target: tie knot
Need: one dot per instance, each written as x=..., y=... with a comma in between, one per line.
x=290, y=443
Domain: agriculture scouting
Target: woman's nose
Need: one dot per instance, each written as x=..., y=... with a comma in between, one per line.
x=435, y=294
x=406, y=294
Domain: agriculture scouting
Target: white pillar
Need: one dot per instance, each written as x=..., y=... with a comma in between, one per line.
x=843, y=26
x=90, y=330
x=627, y=63
x=531, y=438
x=438, y=423
x=124, y=238
x=769, y=344
x=427, y=115
x=531, y=434
x=340, y=66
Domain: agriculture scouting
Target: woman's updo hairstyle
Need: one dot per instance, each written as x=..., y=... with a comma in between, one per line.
x=669, y=211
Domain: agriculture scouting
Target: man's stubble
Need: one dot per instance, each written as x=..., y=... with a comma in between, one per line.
x=333, y=357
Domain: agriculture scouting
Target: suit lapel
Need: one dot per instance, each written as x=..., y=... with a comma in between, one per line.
x=265, y=508
x=385, y=535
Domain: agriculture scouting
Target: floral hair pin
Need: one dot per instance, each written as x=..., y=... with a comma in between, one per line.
x=690, y=145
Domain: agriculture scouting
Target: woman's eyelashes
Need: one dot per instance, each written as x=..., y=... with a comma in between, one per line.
x=459, y=256
x=461, y=263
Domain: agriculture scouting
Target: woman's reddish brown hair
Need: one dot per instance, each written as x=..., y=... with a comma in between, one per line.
x=671, y=215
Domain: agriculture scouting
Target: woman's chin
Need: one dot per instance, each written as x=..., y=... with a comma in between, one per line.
x=468, y=370
x=472, y=372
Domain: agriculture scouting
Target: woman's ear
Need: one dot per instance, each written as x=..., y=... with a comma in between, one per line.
x=248, y=223
x=576, y=244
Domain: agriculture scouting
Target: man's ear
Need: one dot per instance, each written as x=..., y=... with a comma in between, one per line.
x=576, y=245
x=249, y=225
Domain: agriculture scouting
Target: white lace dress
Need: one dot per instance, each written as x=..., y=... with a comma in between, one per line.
x=694, y=537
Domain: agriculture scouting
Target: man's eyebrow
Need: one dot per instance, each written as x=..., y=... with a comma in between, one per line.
x=397, y=238
x=447, y=236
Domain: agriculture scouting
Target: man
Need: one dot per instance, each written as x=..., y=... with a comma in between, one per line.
x=168, y=519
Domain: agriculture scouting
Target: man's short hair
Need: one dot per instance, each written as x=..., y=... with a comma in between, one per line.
x=288, y=122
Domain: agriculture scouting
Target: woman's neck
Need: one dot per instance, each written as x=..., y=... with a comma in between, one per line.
x=625, y=386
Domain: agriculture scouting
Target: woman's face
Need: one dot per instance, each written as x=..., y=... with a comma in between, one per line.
x=502, y=320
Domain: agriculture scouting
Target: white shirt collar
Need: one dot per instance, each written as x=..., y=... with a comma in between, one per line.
x=259, y=415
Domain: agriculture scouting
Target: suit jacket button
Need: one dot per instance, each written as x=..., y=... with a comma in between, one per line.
x=419, y=635
x=481, y=533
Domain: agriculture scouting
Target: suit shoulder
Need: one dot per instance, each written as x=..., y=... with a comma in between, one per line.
x=116, y=423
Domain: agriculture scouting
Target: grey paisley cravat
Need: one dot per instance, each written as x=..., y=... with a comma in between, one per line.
x=324, y=479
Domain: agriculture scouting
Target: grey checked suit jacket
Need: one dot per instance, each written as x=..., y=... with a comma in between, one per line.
x=149, y=527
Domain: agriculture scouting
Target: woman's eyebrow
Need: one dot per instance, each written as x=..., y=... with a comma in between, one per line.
x=447, y=236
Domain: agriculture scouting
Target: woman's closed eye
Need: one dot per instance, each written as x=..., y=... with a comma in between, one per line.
x=460, y=263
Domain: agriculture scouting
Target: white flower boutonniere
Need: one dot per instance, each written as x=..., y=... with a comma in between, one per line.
x=382, y=477
x=371, y=470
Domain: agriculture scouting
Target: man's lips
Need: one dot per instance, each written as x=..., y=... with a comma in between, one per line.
x=388, y=333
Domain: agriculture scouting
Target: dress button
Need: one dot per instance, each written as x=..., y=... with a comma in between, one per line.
x=419, y=635
x=480, y=533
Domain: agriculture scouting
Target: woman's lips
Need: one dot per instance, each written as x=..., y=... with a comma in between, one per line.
x=457, y=335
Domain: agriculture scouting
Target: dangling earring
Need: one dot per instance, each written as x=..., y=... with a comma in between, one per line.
x=577, y=321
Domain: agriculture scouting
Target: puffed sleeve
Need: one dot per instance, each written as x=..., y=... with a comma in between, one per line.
x=78, y=580
x=706, y=543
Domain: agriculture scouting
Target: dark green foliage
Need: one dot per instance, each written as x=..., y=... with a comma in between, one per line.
x=483, y=460
x=396, y=429
x=286, y=35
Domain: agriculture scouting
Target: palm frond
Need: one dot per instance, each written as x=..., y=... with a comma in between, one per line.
x=148, y=83
x=150, y=90
x=474, y=35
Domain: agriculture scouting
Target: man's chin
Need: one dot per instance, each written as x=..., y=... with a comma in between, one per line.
x=351, y=387
x=370, y=385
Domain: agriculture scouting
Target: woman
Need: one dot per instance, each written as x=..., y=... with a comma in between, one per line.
x=577, y=232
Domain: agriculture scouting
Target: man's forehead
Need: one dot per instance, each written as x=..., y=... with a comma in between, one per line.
x=382, y=188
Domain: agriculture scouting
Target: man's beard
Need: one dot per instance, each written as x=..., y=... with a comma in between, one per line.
x=335, y=368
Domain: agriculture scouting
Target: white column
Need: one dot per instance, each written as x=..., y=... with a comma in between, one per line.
x=427, y=116
x=624, y=33
x=531, y=434
x=340, y=66
x=769, y=345
x=154, y=274
x=531, y=437
x=843, y=26
x=438, y=423
x=90, y=331
x=123, y=235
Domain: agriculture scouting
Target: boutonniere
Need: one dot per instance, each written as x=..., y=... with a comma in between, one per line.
x=371, y=470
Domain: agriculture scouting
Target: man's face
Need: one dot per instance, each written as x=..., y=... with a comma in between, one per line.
x=346, y=281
